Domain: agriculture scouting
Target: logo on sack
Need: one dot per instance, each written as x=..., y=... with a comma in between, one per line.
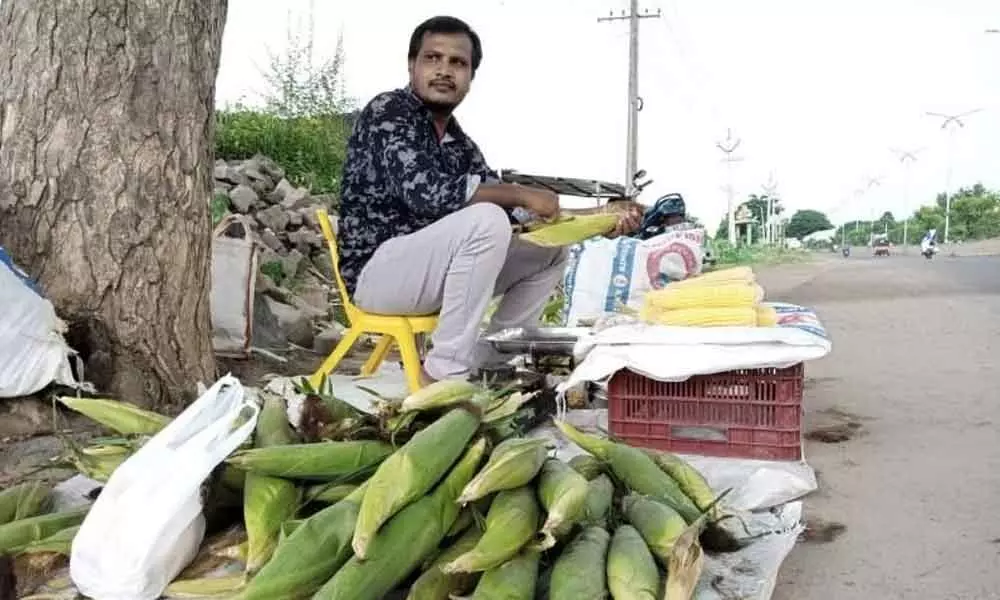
x=658, y=270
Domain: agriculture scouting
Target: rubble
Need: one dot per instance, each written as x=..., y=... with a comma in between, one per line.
x=295, y=274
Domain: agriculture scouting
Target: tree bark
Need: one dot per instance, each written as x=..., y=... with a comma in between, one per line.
x=106, y=129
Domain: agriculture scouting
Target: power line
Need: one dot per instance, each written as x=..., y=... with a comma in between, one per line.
x=634, y=101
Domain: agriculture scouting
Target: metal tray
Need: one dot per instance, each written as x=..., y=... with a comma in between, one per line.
x=538, y=340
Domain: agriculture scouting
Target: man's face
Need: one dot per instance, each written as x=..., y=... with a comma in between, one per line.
x=441, y=73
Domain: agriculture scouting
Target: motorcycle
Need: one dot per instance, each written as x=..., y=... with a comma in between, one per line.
x=929, y=251
x=846, y=251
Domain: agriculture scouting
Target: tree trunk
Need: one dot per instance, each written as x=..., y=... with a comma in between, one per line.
x=106, y=129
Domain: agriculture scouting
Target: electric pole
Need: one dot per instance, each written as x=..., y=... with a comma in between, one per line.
x=770, y=188
x=951, y=124
x=728, y=146
x=870, y=183
x=634, y=101
x=907, y=157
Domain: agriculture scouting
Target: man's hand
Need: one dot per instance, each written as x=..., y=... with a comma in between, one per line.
x=629, y=217
x=543, y=203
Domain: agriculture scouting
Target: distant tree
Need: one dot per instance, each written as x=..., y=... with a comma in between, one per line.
x=807, y=222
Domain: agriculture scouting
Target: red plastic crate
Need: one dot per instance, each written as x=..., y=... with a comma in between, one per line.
x=752, y=413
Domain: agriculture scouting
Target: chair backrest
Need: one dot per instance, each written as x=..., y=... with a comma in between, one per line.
x=331, y=242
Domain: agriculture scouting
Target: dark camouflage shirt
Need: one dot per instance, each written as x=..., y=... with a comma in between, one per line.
x=399, y=177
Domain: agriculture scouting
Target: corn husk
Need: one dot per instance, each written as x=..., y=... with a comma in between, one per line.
x=209, y=587
x=685, y=564
x=24, y=500
x=632, y=572
x=634, y=468
x=659, y=524
x=600, y=496
x=414, y=469
x=580, y=572
x=57, y=543
x=99, y=461
x=220, y=551
x=321, y=461
x=510, y=525
x=513, y=463
x=268, y=501
x=690, y=480
x=563, y=493
x=507, y=407
x=124, y=418
x=407, y=540
x=435, y=584
x=473, y=513
x=571, y=231
x=588, y=466
x=446, y=393
x=310, y=555
x=513, y=580
x=329, y=493
x=17, y=535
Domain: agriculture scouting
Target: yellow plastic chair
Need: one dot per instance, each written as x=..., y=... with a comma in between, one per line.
x=392, y=328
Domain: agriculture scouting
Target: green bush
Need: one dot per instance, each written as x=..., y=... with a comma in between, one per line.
x=311, y=149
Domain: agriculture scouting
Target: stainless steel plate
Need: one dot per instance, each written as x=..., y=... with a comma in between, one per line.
x=544, y=340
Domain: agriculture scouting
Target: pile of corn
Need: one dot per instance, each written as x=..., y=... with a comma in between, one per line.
x=455, y=510
x=725, y=298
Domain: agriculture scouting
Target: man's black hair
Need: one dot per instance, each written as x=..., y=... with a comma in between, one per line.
x=446, y=25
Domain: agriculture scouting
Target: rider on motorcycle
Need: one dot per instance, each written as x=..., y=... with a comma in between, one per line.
x=928, y=244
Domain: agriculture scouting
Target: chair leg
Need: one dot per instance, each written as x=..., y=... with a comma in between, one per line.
x=411, y=361
x=377, y=356
x=339, y=352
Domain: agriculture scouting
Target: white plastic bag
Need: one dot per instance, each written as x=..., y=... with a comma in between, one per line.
x=33, y=353
x=603, y=272
x=147, y=524
x=234, y=277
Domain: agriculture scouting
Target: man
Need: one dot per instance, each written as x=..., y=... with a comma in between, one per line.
x=425, y=226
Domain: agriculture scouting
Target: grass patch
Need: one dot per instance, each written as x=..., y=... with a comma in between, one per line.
x=729, y=256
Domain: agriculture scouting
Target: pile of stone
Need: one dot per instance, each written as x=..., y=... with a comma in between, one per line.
x=296, y=294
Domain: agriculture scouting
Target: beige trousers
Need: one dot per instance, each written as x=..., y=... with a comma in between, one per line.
x=455, y=266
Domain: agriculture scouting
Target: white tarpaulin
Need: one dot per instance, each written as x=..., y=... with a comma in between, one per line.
x=765, y=495
x=33, y=353
x=677, y=353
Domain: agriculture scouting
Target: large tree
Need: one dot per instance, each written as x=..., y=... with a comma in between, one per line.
x=807, y=222
x=106, y=124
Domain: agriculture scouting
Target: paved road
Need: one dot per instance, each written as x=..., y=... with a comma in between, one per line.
x=916, y=362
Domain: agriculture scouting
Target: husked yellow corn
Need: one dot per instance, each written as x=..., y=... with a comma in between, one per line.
x=675, y=297
x=743, y=316
x=731, y=275
x=571, y=231
x=767, y=316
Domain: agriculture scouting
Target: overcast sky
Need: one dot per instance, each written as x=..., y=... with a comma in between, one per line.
x=817, y=91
